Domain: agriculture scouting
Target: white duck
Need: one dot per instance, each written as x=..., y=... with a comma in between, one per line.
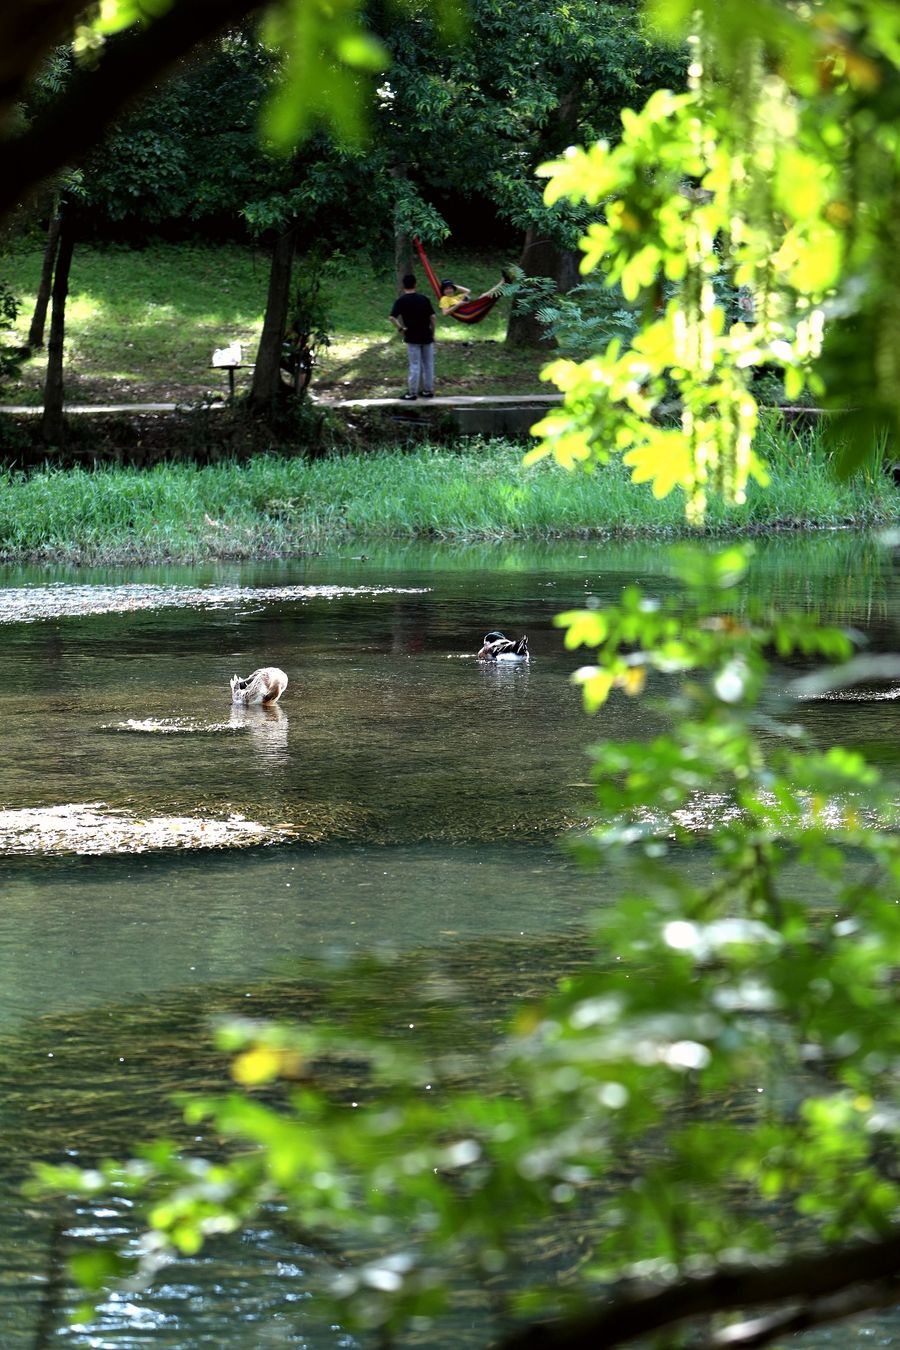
x=265, y=686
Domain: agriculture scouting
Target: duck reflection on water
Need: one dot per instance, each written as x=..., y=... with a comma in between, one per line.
x=266, y=724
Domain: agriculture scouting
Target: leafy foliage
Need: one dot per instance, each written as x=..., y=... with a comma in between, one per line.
x=324, y=49
x=477, y=117
x=10, y=354
x=308, y=320
x=779, y=177
x=189, y=158
x=586, y=318
x=189, y=152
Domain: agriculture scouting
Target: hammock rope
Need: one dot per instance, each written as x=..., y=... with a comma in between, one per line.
x=470, y=311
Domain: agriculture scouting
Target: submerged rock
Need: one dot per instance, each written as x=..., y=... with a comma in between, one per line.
x=95, y=828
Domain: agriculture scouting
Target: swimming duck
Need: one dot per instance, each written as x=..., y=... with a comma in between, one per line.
x=498, y=647
x=265, y=686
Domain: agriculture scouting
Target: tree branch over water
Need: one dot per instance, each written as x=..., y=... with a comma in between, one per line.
x=824, y=1287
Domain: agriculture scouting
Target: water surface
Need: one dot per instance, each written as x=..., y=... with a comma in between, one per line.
x=168, y=857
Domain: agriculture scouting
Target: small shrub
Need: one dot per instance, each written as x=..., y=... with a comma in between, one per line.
x=11, y=356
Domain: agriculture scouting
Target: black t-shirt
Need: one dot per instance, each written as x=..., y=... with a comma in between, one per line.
x=415, y=310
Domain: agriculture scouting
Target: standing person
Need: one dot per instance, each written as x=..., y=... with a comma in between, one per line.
x=413, y=314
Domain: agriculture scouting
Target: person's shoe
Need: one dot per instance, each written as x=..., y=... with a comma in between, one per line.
x=410, y=398
x=427, y=393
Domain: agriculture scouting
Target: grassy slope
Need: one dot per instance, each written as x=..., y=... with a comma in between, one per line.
x=141, y=326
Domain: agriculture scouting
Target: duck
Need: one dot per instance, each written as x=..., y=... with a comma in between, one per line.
x=498, y=647
x=264, y=686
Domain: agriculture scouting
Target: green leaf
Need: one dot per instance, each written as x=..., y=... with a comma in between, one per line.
x=585, y=627
x=99, y=1267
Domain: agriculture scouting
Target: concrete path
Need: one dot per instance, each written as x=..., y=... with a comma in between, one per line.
x=448, y=401
x=472, y=414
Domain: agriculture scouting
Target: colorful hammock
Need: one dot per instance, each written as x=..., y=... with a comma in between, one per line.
x=470, y=311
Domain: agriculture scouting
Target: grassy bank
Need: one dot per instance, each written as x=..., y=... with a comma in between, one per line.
x=277, y=507
x=142, y=325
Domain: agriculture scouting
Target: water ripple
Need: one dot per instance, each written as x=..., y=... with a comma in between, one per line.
x=26, y=604
x=174, y=726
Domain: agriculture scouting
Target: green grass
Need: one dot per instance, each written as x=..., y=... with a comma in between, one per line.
x=142, y=325
x=278, y=507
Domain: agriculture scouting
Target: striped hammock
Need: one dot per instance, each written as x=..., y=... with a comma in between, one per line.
x=470, y=311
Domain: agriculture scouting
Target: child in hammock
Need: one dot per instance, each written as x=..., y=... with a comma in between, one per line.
x=453, y=294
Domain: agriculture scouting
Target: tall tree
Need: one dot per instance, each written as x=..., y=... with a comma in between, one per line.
x=477, y=119
x=267, y=371
x=53, y=421
x=45, y=282
x=308, y=204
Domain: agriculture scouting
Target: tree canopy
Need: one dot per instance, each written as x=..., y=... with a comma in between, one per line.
x=328, y=61
x=479, y=116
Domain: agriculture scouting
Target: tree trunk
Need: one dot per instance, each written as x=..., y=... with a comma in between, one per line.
x=53, y=423
x=39, y=317
x=266, y=387
x=403, y=246
x=541, y=257
x=403, y=257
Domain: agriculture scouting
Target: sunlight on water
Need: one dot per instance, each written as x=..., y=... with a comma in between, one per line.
x=172, y=726
x=90, y=828
x=857, y=696
x=27, y=604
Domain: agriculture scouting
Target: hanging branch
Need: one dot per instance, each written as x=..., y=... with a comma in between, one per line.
x=865, y=1272
x=95, y=97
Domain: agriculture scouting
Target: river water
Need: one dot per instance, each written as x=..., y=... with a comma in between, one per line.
x=166, y=857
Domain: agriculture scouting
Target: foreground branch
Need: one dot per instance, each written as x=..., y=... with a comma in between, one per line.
x=761, y=1331
x=76, y=121
x=28, y=33
x=867, y=1271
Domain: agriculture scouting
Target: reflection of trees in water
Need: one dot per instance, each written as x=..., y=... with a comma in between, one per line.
x=410, y=622
x=834, y=575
